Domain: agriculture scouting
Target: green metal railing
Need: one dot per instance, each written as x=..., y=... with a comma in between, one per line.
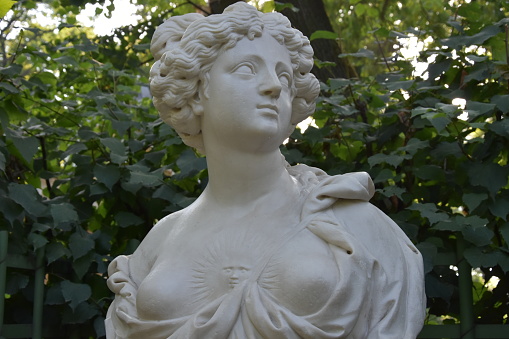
x=36, y=264
x=466, y=329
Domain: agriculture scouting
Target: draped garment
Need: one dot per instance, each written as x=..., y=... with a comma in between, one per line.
x=379, y=293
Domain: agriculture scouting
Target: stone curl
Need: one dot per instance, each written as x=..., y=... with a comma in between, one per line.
x=185, y=48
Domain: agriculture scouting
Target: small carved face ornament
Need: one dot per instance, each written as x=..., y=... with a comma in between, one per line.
x=235, y=274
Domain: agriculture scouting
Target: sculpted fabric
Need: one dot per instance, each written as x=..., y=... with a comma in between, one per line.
x=368, y=292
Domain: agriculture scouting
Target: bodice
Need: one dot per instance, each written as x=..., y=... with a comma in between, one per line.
x=342, y=270
x=300, y=275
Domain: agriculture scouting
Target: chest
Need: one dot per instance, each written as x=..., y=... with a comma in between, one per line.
x=299, y=272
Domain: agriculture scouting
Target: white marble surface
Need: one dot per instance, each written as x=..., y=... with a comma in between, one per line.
x=268, y=250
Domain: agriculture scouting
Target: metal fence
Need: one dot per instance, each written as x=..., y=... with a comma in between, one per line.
x=466, y=329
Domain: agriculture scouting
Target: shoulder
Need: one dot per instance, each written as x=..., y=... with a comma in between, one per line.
x=368, y=222
x=143, y=259
x=378, y=234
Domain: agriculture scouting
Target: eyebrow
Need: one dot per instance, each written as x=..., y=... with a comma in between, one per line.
x=280, y=65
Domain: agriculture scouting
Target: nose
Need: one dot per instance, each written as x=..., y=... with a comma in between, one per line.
x=270, y=85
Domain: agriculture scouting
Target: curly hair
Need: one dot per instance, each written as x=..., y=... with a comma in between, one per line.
x=185, y=48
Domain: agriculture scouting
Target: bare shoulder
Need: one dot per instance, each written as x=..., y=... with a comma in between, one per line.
x=142, y=260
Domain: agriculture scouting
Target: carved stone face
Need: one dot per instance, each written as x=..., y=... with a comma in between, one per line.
x=249, y=95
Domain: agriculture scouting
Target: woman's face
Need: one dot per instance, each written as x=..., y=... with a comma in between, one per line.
x=249, y=96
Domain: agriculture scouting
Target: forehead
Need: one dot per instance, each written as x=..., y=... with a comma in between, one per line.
x=264, y=48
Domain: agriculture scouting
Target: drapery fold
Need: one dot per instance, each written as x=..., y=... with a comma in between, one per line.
x=373, y=297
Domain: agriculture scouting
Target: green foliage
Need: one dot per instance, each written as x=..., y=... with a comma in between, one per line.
x=441, y=171
x=86, y=167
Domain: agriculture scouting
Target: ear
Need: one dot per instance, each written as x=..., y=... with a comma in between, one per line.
x=196, y=102
x=196, y=105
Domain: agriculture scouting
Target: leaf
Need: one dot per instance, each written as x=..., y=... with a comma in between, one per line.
x=380, y=158
x=361, y=53
x=54, y=295
x=395, y=34
x=477, y=258
x=5, y=6
x=446, y=149
x=75, y=294
x=80, y=244
x=55, y=251
x=115, y=145
x=74, y=149
x=36, y=240
x=121, y=126
x=26, y=146
x=438, y=289
x=280, y=6
x=500, y=127
x=142, y=47
x=421, y=110
x=15, y=282
x=429, y=211
x=8, y=87
x=502, y=102
x=477, y=58
x=108, y=175
x=190, y=164
x=12, y=70
x=395, y=85
x=117, y=148
x=476, y=39
x=83, y=312
x=429, y=252
x=473, y=256
x=164, y=192
x=2, y=162
x=430, y=173
x=155, y=157
x=64, y=213
x=323, y=35
x=390, y=191
x=414, y=145
x=67, y=60
x=480, y=236
x=98, y=189
x=481, y=107
x=504, y=230
x=126, y=219
x=28, y=198
x=500, y=208
x=87, y=47
x=145, y=179
x=450, y=110
x=440, y=123
x=489, y=175
x=339, y=83
x=473, y=200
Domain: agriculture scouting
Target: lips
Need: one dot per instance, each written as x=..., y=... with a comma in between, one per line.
x=270, y=108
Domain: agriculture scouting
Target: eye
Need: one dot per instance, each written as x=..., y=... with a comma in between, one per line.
x=245, y=68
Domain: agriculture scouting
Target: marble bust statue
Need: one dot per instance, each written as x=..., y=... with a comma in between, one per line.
x=268, y=250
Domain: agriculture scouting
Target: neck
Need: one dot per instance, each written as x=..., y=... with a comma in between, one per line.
x=247, y=178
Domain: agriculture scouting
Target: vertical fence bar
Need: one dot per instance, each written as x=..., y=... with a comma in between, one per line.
x=465, y=292
x=38, y=294
x=3, y=273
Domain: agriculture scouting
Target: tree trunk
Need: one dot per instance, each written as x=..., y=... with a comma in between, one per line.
x=312, y=17
x=218, y=6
